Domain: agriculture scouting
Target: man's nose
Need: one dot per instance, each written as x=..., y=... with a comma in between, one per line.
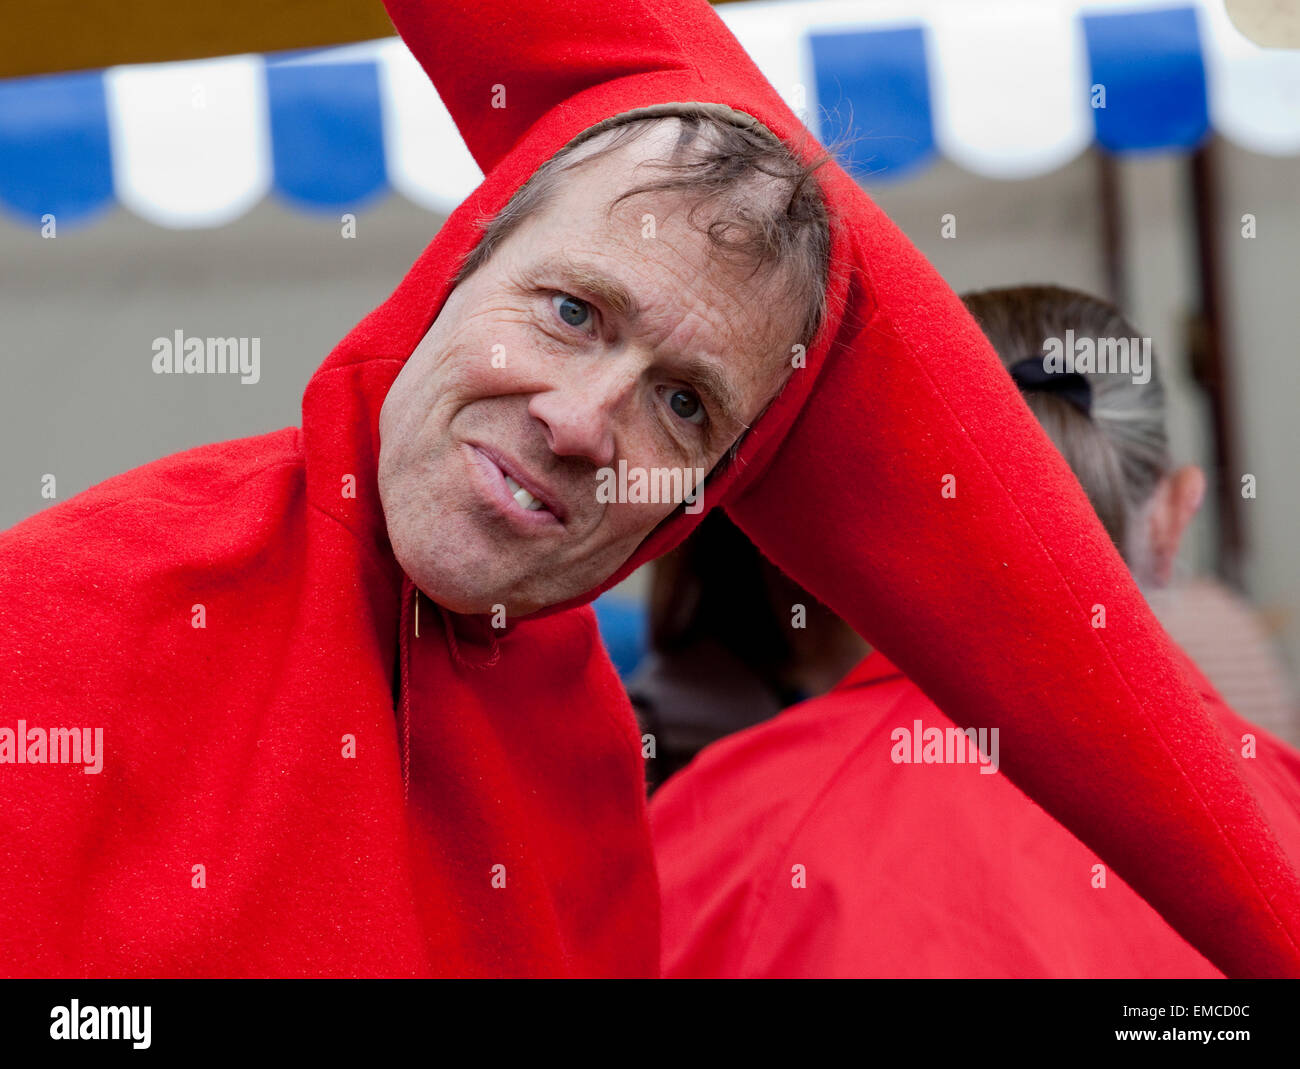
x=580, y=412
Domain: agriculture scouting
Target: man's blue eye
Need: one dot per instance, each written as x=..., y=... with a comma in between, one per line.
x=572, y=310
x=687, y=405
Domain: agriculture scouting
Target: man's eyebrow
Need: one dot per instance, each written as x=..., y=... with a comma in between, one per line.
x=608, y=291
x=707, y=377
x=703, y=374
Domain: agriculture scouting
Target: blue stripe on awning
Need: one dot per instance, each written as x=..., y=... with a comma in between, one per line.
x=873, y=88
x=1150, y=64
x=54, y=148
x=327, y=133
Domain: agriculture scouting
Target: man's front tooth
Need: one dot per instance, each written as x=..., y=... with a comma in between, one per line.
x=527, y=500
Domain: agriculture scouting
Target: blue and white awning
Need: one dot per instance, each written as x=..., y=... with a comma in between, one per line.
x=1004, y=88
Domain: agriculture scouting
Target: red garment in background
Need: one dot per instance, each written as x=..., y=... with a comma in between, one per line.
x=910, y=870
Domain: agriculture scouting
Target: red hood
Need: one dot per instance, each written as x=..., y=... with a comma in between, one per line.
x=342, y=403
x=916, y=495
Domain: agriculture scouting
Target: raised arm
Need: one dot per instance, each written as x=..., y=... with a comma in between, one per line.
x=500, y=65
x=919, y=498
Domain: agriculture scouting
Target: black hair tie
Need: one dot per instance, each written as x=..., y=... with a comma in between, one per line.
x=1069, y=386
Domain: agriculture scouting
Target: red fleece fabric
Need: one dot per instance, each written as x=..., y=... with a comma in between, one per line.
x=224, y=745
x=518, y=849
x=908, y=869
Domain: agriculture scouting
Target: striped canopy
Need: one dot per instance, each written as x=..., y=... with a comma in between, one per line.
x=1004, y=88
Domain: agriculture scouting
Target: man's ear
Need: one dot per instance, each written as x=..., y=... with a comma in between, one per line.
x=1178, y=497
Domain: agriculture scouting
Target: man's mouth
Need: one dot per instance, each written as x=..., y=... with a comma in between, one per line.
x=520, y=504
x=524, y=497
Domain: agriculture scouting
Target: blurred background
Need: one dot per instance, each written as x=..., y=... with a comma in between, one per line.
x=271, y=173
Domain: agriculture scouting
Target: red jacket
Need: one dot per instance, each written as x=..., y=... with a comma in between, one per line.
x=224, y=743
x=224, y=746
x=908, y=869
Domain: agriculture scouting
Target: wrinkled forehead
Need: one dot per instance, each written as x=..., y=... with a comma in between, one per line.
x=597, y=205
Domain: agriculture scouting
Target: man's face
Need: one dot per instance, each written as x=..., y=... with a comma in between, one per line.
x=536, y=374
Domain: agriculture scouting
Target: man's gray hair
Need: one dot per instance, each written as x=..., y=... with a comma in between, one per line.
x=714, y=163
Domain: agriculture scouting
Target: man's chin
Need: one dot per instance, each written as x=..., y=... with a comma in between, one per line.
x=471, y=590
x=455, y=597
x=477, y=601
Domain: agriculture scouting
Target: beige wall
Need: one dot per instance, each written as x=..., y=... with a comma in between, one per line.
x=80, y=313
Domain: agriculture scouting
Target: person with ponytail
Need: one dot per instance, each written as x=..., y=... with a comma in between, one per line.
x=840, y=839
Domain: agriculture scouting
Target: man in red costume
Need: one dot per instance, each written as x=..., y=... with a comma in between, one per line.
x=312, y=769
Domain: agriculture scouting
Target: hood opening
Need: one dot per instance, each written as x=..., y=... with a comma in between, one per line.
x=342, y=402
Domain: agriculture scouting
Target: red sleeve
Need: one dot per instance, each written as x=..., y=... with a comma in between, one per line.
x=542, y=52
x=919, y=498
